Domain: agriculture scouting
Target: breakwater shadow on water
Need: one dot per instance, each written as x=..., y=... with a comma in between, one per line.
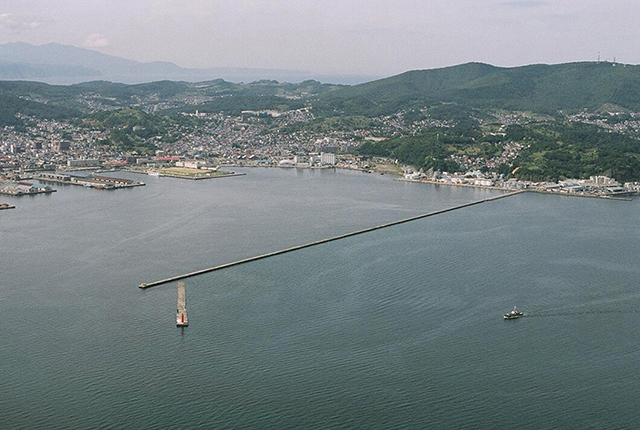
x=318, y=242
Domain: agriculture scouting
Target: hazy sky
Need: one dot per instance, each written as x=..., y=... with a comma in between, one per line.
x=367, y=37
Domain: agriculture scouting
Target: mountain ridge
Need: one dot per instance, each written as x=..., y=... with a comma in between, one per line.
x=538, y=87
x=56, y=63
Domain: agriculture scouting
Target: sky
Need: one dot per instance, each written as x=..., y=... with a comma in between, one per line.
x=356, y=37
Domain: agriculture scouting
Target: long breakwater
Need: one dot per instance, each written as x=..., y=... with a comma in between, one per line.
x=319, y=242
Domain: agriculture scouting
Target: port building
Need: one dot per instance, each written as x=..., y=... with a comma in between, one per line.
x=328, y=158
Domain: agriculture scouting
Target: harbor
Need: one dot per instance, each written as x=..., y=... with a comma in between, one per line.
x=431, y=293
x=145, y=285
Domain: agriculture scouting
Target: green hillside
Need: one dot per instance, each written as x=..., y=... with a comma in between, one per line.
x=538, y=88
x=62, y=101
x=12, y=106
x=555, y=150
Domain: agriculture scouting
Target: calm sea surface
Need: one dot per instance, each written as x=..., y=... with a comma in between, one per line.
x=397, y=328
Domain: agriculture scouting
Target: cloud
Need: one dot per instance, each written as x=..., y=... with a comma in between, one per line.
x=95, y=40
x=33, y=25
x=7, y=21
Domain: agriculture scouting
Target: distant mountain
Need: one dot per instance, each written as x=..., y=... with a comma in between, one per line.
x=43, y=72
x=539, y=88
x=54, y=63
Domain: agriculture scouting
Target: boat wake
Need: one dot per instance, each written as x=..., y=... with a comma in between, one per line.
x=577, y=312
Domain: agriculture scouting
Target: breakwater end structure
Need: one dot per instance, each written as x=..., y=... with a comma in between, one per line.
x=181, y=308
x=318, y=242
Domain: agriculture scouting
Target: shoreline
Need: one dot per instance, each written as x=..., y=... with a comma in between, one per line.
x=621, y=196
x=530, y=190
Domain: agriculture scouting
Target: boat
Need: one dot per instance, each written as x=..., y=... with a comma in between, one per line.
x=181, y=311
x=513, y=314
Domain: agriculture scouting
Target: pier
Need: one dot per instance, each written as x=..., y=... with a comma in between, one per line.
x=319, y=242
x=24, y=189
x=601, y=193
x=92, y=181
x=192, y=174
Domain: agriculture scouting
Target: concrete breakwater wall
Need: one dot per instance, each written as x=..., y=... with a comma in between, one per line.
x=318, y=242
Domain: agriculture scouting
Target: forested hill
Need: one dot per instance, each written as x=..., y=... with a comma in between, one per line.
x=538, y=88
x=44, y=101
x=545, y=89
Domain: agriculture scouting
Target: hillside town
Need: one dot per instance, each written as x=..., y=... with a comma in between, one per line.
x=268, y=138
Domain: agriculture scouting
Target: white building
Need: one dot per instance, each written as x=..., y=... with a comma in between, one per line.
x=328, y=158
x=483, y=182
x=286, y=163
x=412, y=175
x=191, y=164
x=602, y=180
x=83, y=163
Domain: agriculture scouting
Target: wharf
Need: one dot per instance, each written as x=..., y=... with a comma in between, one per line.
x=622, y=196
x=93, y=181
x=199, y=178
x=610, y=196
x=24, y=189
x=22, y=193
x=451, y=184
x=318, y=242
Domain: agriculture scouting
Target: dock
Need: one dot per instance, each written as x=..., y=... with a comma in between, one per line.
x=623, y=195
x=195, y=177
x=92, y=181
x=181, y=308
x=22, y=188
x=319, y=242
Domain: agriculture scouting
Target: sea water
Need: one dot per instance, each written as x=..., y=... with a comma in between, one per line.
x=396, y=328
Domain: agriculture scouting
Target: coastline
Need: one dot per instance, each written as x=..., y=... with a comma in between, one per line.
x=618, y=197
